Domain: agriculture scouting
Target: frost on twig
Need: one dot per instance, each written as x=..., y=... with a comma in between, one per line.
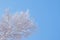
x=16, y=26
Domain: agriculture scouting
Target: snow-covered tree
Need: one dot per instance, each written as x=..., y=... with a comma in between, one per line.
x=16, y=26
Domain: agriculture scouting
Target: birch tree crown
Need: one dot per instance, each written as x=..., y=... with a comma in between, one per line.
x=16, y=26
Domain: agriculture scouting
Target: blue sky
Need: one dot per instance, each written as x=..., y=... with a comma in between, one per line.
x=46, y=14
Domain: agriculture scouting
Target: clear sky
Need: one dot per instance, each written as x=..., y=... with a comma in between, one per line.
x=46, y=14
